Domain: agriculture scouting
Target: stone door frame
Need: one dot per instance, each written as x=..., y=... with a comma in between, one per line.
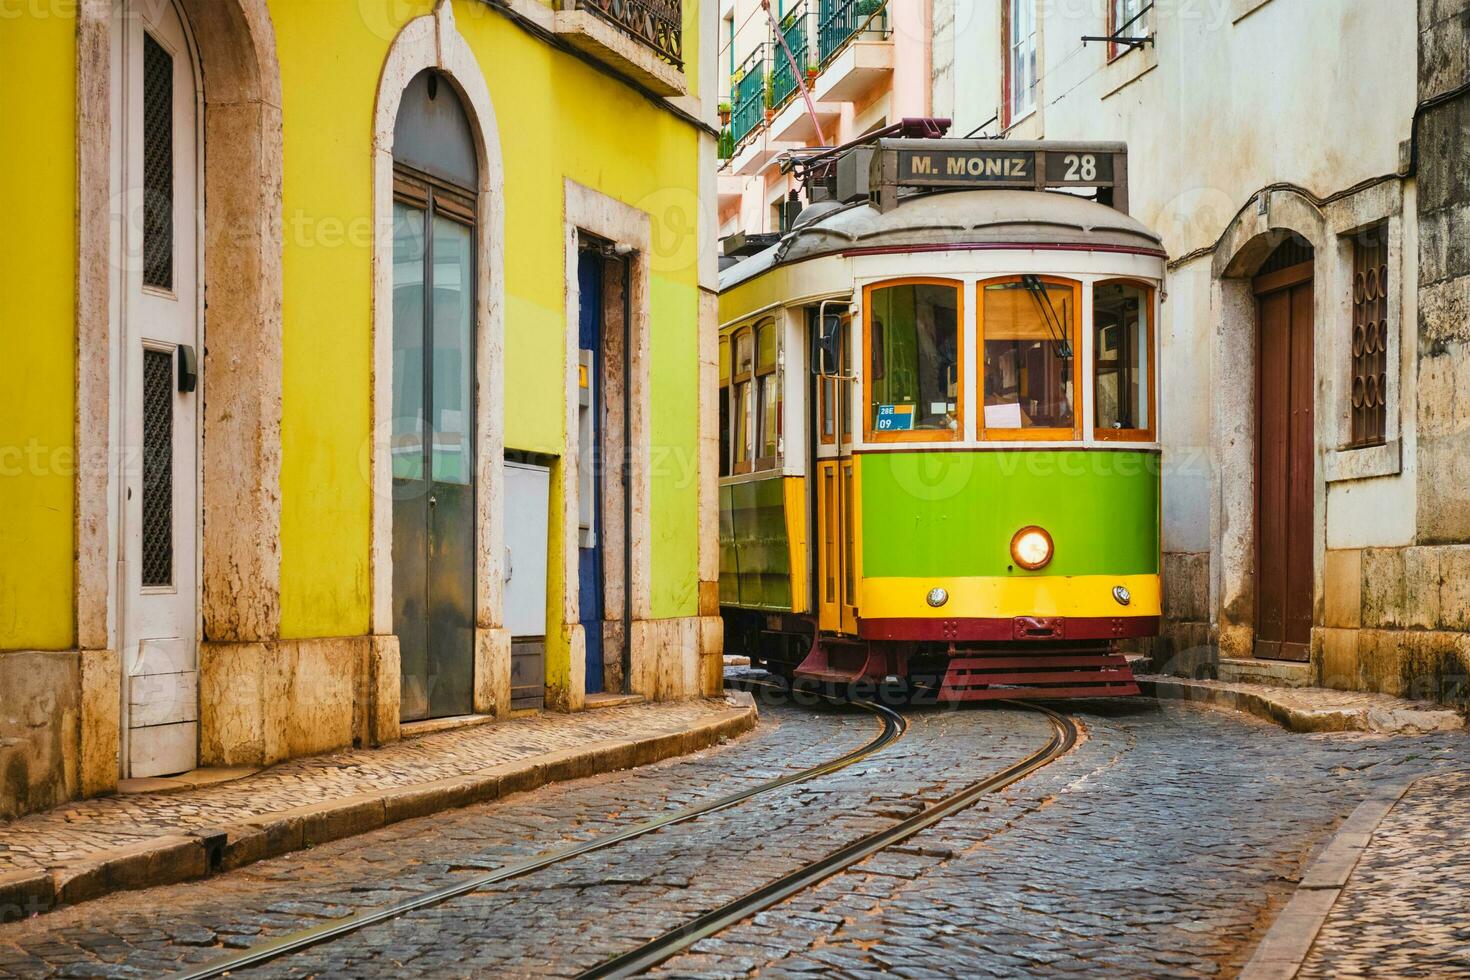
x=433, y=41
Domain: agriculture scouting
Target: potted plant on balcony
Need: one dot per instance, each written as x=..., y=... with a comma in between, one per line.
x=770, y=99
x=789, y=21
x=867, y=8
x=812, y=71
x=724, y=111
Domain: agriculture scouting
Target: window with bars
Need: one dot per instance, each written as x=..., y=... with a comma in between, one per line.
x=1370, y=337
x=158, y=165
x=158, y=469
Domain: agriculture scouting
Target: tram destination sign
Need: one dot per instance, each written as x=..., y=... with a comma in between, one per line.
x=1025, y=165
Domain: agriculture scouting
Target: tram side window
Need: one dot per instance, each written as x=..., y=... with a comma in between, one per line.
x=1120, y=359
x=743, y=407
x=833, y=390
x=914, y=363
x=724, y=406
x=768, y=387
x=1029, y=327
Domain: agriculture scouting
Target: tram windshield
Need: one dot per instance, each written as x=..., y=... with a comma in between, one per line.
x=1029, y=327
x=914, y=367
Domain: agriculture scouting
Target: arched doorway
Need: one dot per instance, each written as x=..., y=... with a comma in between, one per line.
x=156, y=155
x=1285, y=468
x=434, y=462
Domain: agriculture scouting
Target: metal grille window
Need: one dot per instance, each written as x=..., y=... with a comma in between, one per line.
x=158, y=469
x=1370, y=337
x=158, y=165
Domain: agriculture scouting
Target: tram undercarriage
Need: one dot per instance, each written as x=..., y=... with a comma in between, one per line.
x=960, y=670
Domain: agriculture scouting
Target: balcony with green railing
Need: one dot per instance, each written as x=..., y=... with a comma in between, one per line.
x=749, y=95
x=796, y=28
x=838, y=21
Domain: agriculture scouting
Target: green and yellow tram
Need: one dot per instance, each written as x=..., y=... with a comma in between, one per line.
x=940, y=452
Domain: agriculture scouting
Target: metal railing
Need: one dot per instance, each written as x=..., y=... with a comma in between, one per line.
x=796, y=29
x=657, y=23
x=748, y=96
x=839, y=20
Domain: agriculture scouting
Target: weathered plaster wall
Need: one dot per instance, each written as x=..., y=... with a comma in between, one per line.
x=37, y=331
x=617, y=142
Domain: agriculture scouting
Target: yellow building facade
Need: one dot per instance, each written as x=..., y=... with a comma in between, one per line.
x=285, y=283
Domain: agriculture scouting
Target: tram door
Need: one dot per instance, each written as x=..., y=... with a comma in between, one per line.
x=836, y=492
x=1284, y=464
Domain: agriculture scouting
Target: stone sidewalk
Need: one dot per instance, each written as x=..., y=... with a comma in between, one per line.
x=1387, y=896
x=1405, y=909
x=93, y=847
x=1310, y=709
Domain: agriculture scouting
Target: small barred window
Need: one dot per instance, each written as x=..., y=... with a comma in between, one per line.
x=158, y=165
x=1370, y=337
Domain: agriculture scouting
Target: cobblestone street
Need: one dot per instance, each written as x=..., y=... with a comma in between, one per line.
x=1162, y=845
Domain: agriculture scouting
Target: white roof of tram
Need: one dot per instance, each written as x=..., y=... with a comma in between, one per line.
x=972, y=217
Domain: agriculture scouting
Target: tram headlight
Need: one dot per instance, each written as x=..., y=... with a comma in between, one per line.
x=1032, y=548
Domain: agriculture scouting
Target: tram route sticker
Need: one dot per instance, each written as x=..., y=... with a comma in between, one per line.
x=895, y=418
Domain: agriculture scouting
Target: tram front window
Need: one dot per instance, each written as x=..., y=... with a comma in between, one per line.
x=914, y=373
x=1029, y=326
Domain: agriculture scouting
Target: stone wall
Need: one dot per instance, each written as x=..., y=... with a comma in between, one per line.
x=1397, y=621
x=1444, y=274
x=40, y=725
x=1185, y=644
x=260, y=703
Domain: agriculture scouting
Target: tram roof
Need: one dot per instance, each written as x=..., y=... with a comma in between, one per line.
x=936, y=219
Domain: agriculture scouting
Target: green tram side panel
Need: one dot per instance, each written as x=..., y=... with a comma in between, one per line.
x=755, y=557
x=954, y=513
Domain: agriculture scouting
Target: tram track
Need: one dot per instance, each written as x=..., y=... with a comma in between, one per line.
x=891, y=727
x=671, y=943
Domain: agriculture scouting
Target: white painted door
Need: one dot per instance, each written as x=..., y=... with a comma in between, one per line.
x=156, y=114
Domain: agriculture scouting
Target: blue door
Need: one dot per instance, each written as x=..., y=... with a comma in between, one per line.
x=589, y=563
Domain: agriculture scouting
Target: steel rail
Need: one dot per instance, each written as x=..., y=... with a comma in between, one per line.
x=661, y=948
x=892, y=726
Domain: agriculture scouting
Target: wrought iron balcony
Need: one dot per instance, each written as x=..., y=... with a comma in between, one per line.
x=796, y=28
x=840, y=20
x=749, y=95
x=657, y=23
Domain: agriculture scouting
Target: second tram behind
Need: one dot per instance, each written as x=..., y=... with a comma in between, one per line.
x=939, y=413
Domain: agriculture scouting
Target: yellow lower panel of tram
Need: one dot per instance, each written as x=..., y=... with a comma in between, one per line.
x=1003, y=597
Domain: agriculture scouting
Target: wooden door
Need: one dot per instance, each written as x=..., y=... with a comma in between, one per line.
x=157, y=151
x=1285, y=467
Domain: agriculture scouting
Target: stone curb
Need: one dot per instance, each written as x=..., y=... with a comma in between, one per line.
x=177, y=858
x=1287, y=943
x=1399, y=721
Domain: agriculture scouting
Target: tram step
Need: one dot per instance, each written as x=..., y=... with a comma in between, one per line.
x=836, y=661
x=1066, y=674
